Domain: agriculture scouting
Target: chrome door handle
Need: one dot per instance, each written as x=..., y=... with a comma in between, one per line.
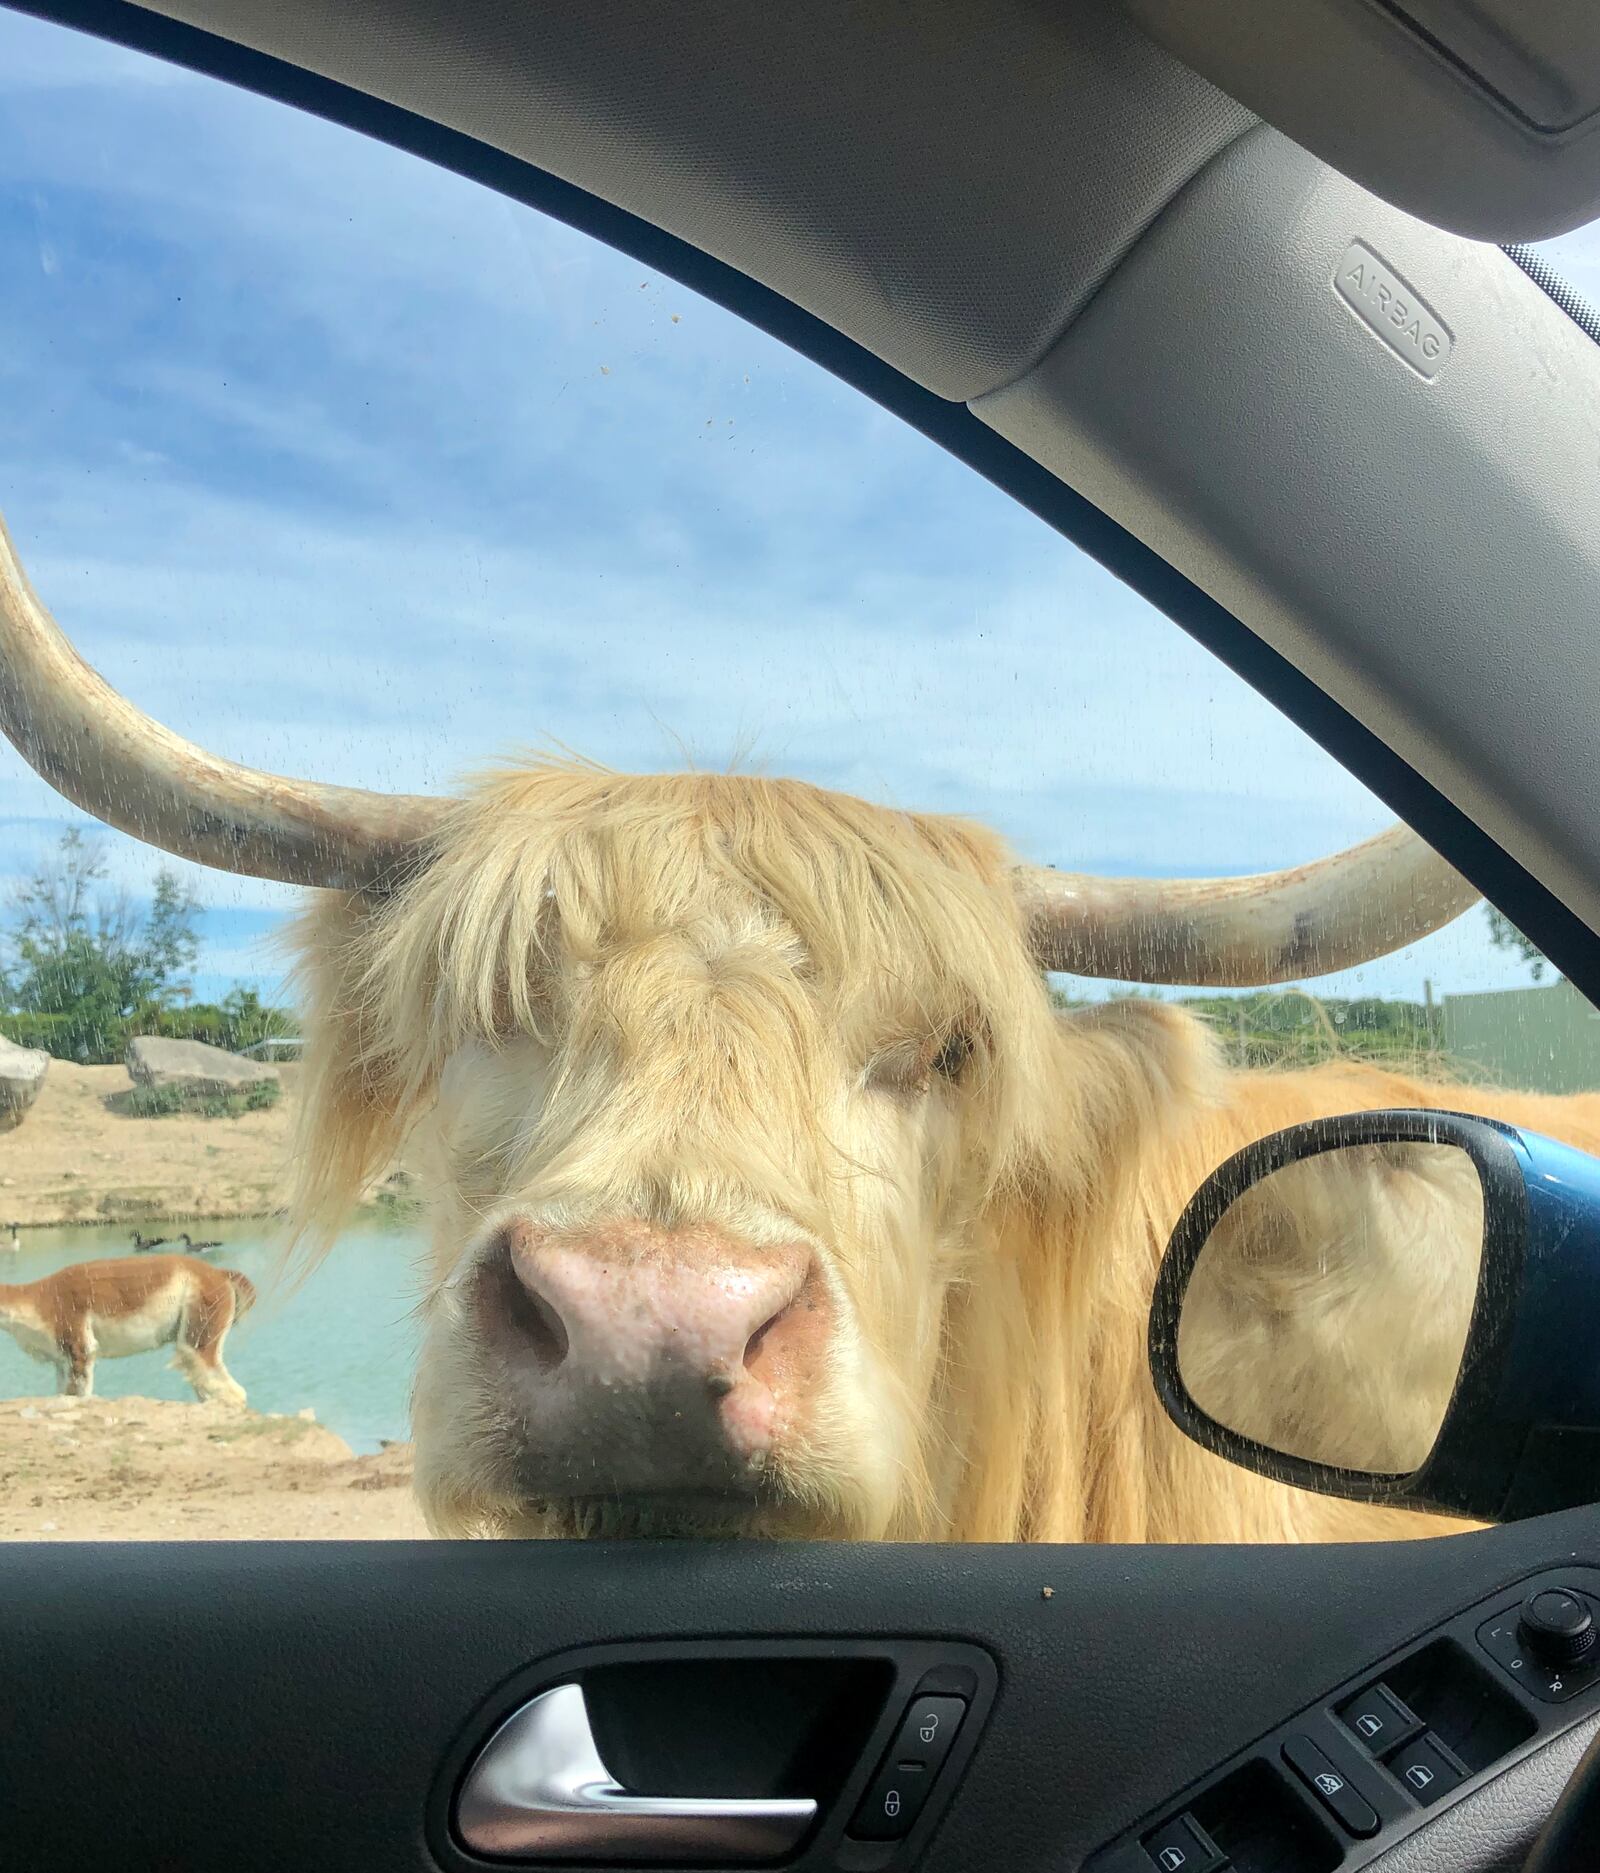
x=538, y=1790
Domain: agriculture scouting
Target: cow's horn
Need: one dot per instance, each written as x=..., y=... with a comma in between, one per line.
x=1276, y=926
x=112, y=760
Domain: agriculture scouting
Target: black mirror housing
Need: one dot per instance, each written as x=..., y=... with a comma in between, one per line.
x=1520, y=1434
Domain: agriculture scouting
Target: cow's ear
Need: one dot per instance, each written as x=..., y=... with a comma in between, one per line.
x=353, y=1108
x=1139, y=1074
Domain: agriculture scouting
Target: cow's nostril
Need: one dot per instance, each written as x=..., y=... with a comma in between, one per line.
x=757, y=1345
x=533, y=1318
x=752, y=1351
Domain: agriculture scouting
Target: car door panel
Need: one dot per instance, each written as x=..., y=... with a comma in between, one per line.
x=256, y=1705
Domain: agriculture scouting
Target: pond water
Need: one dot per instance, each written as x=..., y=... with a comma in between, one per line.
x=343, y=1341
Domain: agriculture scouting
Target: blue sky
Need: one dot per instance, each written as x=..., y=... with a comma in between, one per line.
x=342, y=465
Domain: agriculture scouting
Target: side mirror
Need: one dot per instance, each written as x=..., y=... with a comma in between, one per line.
x=1399, y=1307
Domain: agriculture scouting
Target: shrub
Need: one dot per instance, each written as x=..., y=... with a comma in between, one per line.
x=153, y=1102
x=31, y=1030
x=161, y=1102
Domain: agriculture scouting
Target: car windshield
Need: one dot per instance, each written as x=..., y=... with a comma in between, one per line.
x=347, y=468
x=1575, y=259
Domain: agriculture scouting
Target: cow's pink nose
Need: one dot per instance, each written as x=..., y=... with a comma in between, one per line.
x=654, y=1358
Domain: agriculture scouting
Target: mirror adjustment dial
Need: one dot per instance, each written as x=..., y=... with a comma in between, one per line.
x=1556, y=1625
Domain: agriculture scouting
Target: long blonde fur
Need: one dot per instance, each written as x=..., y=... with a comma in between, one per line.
x=691, y=996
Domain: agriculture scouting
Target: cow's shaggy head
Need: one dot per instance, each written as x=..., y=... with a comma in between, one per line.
x=765, y=1179
x=729, y=1086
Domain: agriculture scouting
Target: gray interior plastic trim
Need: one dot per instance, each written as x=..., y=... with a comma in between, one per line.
x=947, y=184
x=1478, y=117
x=1491, y=1831
x=1418, y=535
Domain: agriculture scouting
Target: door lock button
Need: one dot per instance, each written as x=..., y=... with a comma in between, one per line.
x=927, y=1730
x=1353, y=1811
x=892, y=1802
x=1380, y=1719
x=895, y=1796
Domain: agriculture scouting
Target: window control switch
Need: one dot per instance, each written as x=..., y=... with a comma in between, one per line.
x=1425, y=1769
x=1381, y=1720
x=1183, y=1846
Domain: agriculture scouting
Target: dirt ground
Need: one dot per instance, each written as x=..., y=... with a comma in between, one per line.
x=142, y=1469
x=76, y=1159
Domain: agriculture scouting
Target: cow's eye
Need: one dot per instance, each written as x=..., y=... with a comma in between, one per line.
x=951, y=1060
x=911, y=1066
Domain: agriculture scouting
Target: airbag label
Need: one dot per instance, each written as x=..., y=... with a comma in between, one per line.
x=1383, y=302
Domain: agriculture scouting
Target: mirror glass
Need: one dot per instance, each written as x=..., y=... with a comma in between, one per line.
x=1327, y=1313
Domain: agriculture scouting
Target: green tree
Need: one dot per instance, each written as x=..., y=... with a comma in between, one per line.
x=249, y=1020
x=1505, y=935
x=83, y=961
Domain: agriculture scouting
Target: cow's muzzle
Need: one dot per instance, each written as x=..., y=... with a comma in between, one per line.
x=631, y=1361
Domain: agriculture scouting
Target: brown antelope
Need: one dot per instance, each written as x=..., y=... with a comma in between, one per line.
x=112, y=1309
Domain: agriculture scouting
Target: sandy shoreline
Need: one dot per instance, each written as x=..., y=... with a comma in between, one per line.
x=142, y=1469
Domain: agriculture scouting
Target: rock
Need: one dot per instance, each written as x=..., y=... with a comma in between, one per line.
x=22, y=1071
x=193, y=1066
